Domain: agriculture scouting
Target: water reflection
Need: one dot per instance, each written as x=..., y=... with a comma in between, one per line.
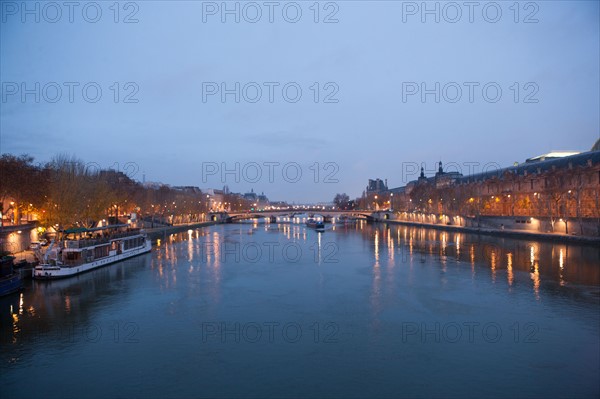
x=509, y=269
x=319, y=248
x=44, y=308
x=386, y=275
x=543, y=262
x=376, y=284
x=398, y=245
x=493, y=264
x=535, y=277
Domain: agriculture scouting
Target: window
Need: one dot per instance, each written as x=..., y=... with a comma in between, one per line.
x=101, y=252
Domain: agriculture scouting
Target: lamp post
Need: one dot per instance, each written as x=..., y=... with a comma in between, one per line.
x=14, y=215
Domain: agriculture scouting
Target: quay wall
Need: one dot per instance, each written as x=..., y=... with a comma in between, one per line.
x=585, y=231
x=17, y=238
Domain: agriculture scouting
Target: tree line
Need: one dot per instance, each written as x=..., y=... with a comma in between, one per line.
x=67, y=192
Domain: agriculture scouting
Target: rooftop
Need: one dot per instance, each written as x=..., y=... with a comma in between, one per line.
x=579, y=159
x=552, y=155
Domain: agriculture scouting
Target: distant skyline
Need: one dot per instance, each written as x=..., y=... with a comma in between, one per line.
x=382, y=91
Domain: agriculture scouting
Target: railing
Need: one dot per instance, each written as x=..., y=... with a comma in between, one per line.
x=88, y=242
x=74, y=244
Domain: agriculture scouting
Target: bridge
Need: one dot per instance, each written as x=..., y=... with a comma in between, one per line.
x=228, y=217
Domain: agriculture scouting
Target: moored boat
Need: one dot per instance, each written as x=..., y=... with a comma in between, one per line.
x=83, y=249
x=10, y=281
x=24, y=268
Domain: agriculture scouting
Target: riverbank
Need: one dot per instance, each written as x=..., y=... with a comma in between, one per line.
x=153, y=234
x=552, y=237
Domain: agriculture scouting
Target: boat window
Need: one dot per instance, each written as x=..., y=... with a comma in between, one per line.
x=72, y=255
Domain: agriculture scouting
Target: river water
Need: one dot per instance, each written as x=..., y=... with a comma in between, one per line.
x=272, y=310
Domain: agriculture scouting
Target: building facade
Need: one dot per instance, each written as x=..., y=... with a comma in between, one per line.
x=555, y=192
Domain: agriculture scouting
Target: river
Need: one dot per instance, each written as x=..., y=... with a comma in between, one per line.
x=271, y=310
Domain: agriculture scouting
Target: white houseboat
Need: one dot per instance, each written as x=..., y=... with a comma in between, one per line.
x=83, y=249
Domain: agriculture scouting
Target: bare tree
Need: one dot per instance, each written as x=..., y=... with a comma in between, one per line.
x=22, y=182
x=341, y=201
x=555, y=195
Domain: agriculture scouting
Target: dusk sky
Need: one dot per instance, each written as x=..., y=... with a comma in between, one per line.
x=369, y=67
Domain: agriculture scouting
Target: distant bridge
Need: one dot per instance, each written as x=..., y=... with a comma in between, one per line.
x=228, y=217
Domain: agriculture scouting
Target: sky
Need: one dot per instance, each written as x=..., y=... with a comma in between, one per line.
x=299, y=100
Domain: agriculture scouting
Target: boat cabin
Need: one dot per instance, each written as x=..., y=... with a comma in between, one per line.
x=81, y=245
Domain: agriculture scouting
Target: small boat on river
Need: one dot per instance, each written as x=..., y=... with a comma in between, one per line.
x=314, y=224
